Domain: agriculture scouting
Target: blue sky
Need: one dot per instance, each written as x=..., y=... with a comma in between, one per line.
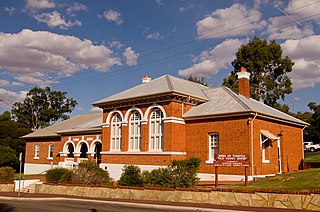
x=93, y=49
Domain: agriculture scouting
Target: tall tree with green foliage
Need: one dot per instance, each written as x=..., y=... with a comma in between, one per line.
x=314, y=129
x=43, y=107
x=269, y=80
x=197, y=80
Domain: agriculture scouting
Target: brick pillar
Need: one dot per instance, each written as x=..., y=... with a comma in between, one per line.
x=244, y=82
x=144, y=137
x=125, y=138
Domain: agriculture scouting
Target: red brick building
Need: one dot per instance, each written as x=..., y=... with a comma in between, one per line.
x=170, y=118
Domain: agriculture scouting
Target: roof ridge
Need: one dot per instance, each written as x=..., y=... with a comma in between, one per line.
x=232, y=94
x=169, y=82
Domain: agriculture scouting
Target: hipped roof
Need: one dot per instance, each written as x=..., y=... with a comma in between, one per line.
x=85, y=122
x=162, y=85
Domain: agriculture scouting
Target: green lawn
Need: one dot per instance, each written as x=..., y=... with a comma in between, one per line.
x=300, y=180
x=314, y=158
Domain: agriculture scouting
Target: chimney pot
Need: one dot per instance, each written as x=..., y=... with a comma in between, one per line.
x=244, y=82
x=146, y=79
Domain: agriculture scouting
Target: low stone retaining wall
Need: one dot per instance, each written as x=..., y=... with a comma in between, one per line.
x=290, y=200
x=6, y=187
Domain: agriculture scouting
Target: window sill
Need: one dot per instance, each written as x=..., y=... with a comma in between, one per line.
x=266, y=161
x=155, y=151
x=209, y=162
x=134, y=150
x=36, y=158
x=49, y=158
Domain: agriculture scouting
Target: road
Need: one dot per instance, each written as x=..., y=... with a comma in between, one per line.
x=68, y=205
x=309, y=154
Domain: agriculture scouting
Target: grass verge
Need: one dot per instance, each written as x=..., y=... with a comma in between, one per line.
x=300, y=180
x=313, y=158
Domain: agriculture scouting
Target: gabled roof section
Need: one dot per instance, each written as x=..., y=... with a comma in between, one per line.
x=85, y=122
x=224, y=101
x=161, y=85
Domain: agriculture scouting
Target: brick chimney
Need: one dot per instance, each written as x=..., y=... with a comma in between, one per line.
x=244, y=82
x=146, y=79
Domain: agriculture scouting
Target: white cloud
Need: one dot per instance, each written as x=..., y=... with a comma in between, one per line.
x=9, y=98
x=232, y=21
x=184, y=8
x=76, y=7
x=302, y=9
x=282, y=27
x=113, y=16
x=148, y=34
x=35, y=56
x=54, y=19
x=159, y=2
x=130, y=56
x=209, y=63
x=9, y=10
x=35, y=5
x=96, y=110
x=304, y=53
x=5, y=83
x=115, y=44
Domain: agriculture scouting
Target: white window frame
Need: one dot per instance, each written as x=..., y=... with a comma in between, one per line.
x=116, y=132
x=135, y=132
x=213, y=146
x=50, y=152
x=263, y=140
x=36, y=151
x=156, y=131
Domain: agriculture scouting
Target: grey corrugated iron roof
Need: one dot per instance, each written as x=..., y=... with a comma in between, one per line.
x=78, y=123
x=163, y=84
x=225, y=101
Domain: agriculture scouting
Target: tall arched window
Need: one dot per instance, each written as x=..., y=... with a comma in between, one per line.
x=156, y=130
x=135, y=131
x=116, y=133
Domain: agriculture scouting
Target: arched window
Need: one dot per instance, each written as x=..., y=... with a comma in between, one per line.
x=116, y=133
x=156, y=130
x=135, y=131
x=70, y=150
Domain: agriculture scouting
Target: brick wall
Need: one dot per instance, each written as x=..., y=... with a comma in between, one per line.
x=44, y=150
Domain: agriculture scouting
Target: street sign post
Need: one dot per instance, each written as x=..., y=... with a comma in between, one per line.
x=231, y=160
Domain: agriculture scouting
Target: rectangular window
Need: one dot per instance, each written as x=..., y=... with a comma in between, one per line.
x=266, y=145
x=50, y=151
x=37, y=151
x=213, y=146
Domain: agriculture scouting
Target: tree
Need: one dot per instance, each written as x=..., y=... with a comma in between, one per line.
x=8, y=156
x=43, y=107
x=196, y=80
x=10, y=137
x=269, y=80
x=314, y=129
x=5, y=116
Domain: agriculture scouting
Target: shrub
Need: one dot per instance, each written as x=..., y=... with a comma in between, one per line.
x=89, y=172
x=161, y=177
x=7, y=174
x=180, y=173
x=131, y=176
x=185, y=172
x=58, y=175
